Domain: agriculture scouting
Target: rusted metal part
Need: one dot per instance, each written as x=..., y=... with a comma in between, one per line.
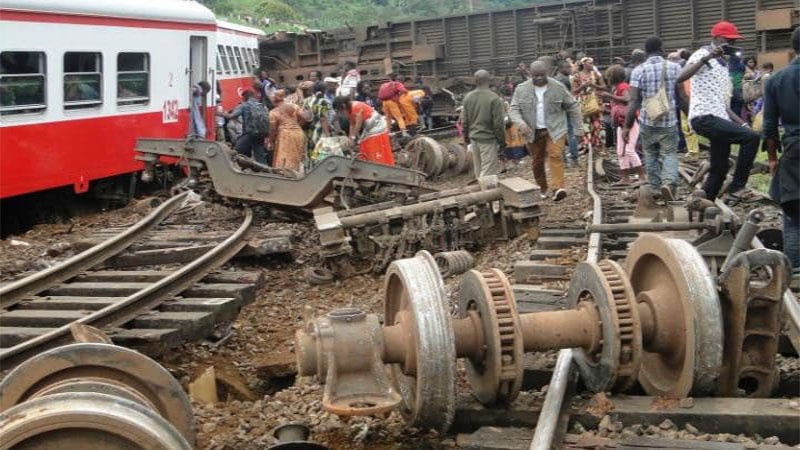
x=414, y=289
x=433, y=158
x=318, y=275
x=344, y=350
x=682, y=321
x=294, y=436
x=650, y=227
x=89, y=391
x=752, y=287
x=454, y=263
x=304, y=192
x=445, y=221
x=744, y=236
x=611, y=360
x=120, y=312
x=495, y=378
x=14, y=292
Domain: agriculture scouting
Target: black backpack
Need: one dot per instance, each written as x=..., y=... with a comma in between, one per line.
x=256, y=119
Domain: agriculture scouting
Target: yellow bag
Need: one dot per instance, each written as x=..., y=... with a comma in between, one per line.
x=590, y=105
x=758, y=122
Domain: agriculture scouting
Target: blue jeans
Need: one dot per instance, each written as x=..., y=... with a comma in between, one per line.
x=572, y=141
x=660, y=148
x=253, y=145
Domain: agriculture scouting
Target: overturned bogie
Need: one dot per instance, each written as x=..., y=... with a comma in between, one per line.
x=622, y=331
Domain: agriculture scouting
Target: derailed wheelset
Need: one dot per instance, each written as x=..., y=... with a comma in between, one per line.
x=658, y=321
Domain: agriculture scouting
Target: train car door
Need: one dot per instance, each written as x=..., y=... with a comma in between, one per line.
x=198, y=63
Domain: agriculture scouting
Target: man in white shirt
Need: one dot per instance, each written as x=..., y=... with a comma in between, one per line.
x=540, y=106
x=350, y=80
x=710, y=115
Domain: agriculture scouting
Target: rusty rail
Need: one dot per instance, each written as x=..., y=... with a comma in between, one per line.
x=145, y=299
x=547, y=424
x=15, y=292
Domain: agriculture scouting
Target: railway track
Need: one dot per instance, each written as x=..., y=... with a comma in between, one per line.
x=153, y=304
x=666, y=286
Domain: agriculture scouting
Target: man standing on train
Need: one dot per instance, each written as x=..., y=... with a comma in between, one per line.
x=197, y=117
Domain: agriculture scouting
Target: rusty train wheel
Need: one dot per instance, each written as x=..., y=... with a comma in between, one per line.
x=670, y=277
x=105, y=369
x=414, y=291
x=87, y=420
x=497, y=379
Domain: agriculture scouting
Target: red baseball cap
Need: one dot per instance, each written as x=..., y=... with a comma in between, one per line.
x=726, y=30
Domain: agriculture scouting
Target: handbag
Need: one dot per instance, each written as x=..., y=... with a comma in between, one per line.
x=751, y=90
x=658, y=105
x=590, y=105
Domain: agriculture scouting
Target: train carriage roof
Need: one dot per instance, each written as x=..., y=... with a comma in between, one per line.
x=223, y=25
x=186, y=11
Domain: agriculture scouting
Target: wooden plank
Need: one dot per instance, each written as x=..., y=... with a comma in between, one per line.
x=11, y=336
x=578, y=442
x=496, y=438
x=159, y=256
x=192, y=325
x=244, y=292
x=221, y=308
x=524, y=270
x=247, y=277
x=69, y=303
x=750, y=416
x=39, y=318
x=560, y=242
x=145, y=336
x=538, y=255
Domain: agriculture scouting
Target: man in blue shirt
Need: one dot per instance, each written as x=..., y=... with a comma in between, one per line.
x=659, y=135
x=781, y=95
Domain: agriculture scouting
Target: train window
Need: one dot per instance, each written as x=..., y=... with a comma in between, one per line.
x=83, y=79
x=256, y=62
x=133, y=78
x=235, y=68
x=243, y=53
x=219, y=65
x=224, y=58
x=22, y=82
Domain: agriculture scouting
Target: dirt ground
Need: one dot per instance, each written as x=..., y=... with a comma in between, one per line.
x=260, y=343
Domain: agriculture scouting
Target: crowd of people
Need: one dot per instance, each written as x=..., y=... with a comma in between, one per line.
x=293, y=127
x=654, y=106
x=651, y=106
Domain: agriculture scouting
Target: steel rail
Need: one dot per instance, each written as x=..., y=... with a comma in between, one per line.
x=123, y=311
x=16, y=291
x=554, y=399
x=790, y=305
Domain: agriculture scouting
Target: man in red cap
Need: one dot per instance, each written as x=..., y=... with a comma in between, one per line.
x=710, y=114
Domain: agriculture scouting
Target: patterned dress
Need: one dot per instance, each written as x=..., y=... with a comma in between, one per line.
x=594, y=131
x=284, y=121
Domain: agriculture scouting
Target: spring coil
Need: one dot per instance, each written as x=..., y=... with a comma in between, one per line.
x=454, y=263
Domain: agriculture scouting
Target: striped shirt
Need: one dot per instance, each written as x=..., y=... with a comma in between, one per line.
x=647, y=78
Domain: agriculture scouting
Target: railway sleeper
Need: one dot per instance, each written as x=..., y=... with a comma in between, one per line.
x=658, y=322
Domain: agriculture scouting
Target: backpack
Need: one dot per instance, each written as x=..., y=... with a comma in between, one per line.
x=256, y=120
x=390, y=90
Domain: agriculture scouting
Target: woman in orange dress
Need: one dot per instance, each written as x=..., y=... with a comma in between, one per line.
x=367, y=130
x=286, y=137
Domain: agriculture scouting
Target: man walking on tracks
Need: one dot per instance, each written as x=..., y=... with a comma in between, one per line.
x=483, y=122
x=780, y=103
x=540, y=107
x=710, y=115
x=653, y=93
x=255, y=126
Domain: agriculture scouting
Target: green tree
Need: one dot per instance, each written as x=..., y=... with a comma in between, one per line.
x=276, y=10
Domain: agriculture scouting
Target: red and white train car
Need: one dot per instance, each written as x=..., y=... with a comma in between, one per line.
x=81, y=80
x=237, y=60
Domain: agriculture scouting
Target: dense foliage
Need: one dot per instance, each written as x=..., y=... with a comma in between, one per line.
x=327, y=14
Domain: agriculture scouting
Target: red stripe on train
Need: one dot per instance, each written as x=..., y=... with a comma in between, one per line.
x=74, y=19
x=48, y=155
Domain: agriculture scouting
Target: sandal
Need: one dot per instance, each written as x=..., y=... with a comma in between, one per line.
x=746, y=195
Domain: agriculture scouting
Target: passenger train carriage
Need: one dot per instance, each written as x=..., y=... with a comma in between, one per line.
x=81, y=80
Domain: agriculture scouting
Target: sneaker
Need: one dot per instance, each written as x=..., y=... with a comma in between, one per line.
x=559, y=195
x=666, y=193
